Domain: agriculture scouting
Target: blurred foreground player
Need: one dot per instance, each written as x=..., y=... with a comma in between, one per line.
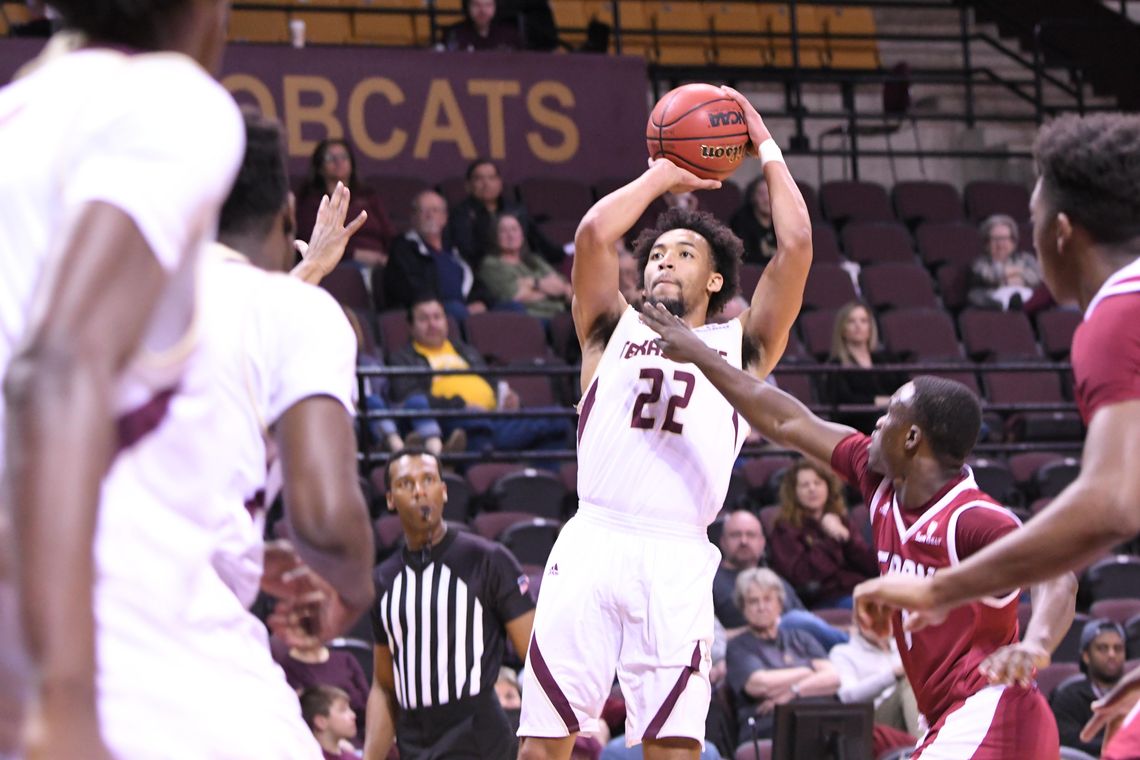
x=628, y=586
x=1086, y=228
x=118, y=148
x=971, y=677
x=446, y=604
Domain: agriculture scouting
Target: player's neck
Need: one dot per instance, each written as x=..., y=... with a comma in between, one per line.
x=922, y=483
x=250, y=246
x=1102, y=264
x=418, y=541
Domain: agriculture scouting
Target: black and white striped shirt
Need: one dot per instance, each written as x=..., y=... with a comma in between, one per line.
x=443, y=617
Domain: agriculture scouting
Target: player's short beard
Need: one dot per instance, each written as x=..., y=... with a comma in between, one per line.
x=675, y=306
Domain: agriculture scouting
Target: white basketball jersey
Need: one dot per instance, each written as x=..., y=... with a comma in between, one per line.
x=655, y=438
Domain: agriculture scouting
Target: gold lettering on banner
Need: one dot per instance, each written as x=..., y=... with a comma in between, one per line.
x=494, y=90
x=236, y=83
x=297, y=115
x=559, y=122
x=357, y=127
x=453, y=128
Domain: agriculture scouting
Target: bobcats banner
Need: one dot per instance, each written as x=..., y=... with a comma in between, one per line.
x=423, y=113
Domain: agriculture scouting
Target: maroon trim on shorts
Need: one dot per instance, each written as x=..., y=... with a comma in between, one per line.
x=587, y=406
x=550, y=686
x=136, y=424
x=671, y=700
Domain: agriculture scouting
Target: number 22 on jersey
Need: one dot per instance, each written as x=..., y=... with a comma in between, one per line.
x=646, y=419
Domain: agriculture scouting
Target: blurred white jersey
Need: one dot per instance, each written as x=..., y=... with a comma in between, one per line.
x=655, y=438
x=179, y=540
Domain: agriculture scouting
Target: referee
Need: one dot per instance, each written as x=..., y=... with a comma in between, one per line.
x=444, y=607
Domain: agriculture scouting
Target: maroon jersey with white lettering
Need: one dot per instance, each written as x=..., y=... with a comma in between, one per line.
x=940, y=661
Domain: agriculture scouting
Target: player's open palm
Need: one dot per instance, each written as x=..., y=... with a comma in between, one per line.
x=677, y=342
x=330, y=234
x=1015, y=664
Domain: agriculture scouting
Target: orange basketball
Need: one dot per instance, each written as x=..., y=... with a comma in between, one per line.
x=699, y=128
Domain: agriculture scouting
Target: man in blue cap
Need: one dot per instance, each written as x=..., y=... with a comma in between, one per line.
x=1102, y=662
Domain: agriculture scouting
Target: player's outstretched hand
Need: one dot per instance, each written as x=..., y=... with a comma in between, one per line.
x=679, y=180
x=876, y=598
x=330, y=234
x=279, y=560
x=677, y=342
x=1015, y=664
x=758, y=132
x=1110, y=710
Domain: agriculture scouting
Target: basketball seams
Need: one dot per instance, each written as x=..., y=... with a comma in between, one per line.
x=698, y=106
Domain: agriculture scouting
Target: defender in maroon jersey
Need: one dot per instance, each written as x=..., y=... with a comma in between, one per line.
x=969, y=673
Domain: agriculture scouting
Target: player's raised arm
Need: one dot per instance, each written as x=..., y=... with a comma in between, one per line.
x=776, y=302
x=595, y=272
x=1054, y=606
x=779, y=417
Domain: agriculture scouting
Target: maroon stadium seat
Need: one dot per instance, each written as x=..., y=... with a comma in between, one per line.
x=758, y=472
x=998, y=335
x=917, y=202
x=345, y=283
x=395, y=333
x=538, y=492
x=919, y=334
x=749, y=276
x=531, y=541
x=824, y=244
x=490, y=525
x=828, y=287
x=985, y=198
x=953, y=285
x=483, y=475
x=503, y=337
x=878, y=242
x=1055, y=328
x=845, y=201
x=811, y=200
x=893, y=286
x=723, y=202
x=1115, y=577
x=797, y=384
x=1119, y=610
x=1052, y=676
x=454, y=190
x=816, y=328
x=948, y=243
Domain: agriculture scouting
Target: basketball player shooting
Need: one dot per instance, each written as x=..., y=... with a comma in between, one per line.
x=971, y=677
x=629, y=582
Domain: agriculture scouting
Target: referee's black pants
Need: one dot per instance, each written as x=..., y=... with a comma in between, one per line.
x=474, y=728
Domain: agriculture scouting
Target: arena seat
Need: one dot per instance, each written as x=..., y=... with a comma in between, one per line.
x=397, y=194
x=824, y=244
x=985, y=198
x=571, y=19
x=948, y=243
x=878, y=242
x=395, y=332
x=995, y=478
x=1055, y=327
x=722, y=202
x=454, y=190
x=998, y=336
x=846, y=201
x=503, y=337
x=1052, y=676
x=1024, y=467
x=553, y=198
x=345, y=283
x=258, y=26
x=538, y=492
x=490, y=525
x=893, y=285
x=760, y=750
x=847, y=53
x=1069, y=650
x=828, y=287
x=924, y=202
x=458, y=505
x=531, y=541
x=920, y=334
x=953, y=285
x=1054, y=477
x=483, y=475
x=758, y=472
x=816, y=328
x=1119, y=610
x=1115, y=577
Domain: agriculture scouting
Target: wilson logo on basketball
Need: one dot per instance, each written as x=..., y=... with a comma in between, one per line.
x=731, y=153
x=725, y=118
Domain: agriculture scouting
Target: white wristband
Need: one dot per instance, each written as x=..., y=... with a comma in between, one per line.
x=770, y=151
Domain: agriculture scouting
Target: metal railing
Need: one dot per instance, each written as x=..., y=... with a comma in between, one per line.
x=368, y=457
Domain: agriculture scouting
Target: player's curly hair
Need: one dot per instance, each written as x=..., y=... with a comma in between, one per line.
x=727, y=250
x=261, y=188
x=129, y=22
x=1090, y=170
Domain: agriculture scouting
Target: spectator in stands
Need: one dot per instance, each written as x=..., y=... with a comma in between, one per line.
x=431, y=348
x=333, y=162
x=742, y=545
x=768, y=666
x=421, y=263
x=855, y=343
x=481, y=30
x=308, y=664
x=752, y=223
x=1102, y=662
x=870, y=670
x=813, y=544
x=1003, y=277
x=513, y=273
x=327, y=712
x=472, y=221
